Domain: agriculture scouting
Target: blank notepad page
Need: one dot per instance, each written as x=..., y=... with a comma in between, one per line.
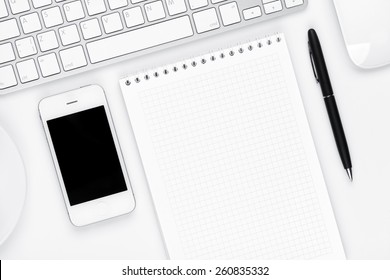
x=229, y=158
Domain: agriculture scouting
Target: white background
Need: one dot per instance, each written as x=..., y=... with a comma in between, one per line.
x=362, y=209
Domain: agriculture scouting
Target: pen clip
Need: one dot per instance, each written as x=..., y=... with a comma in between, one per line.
x=313, y=65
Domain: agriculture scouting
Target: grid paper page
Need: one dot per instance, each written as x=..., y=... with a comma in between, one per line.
x=224, y=147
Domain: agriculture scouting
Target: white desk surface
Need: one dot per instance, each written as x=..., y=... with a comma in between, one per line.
x=362, y=209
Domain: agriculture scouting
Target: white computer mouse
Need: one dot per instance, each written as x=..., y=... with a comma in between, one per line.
x=365, y=25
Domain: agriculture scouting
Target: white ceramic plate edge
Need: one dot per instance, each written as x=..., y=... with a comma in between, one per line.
x=19, y=164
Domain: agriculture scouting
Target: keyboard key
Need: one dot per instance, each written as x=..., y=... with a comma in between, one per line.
x=6, y=53
x=196, y=4
x=90, y=29
x=74, y=11
x=26, y=47
x=217, y=1
x=30, y=23
x=48, y=65
x=293, y=3
x=229, y=13
x=116, y=4
x=9, y=29
x=3, y=9
x=95, y=7
x=52, y=17
x=133, y=17
x=273, y=7
x=154, y=11
x=112, y=23
x=40, y=3
x=7, y=77
x=176, y=7
x=19, y=6
x=27, y=71
x=74, y=58
x=206, y=20
x=69, y=35
x=137, y=1
x=140, y=39
x=47, y=41
x=252, y=13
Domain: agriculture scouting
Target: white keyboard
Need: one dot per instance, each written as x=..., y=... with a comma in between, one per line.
x=44, y=40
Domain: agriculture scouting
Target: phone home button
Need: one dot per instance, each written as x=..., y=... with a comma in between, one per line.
x=102, y=208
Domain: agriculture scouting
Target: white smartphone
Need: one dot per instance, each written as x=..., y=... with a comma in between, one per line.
x=87, y=155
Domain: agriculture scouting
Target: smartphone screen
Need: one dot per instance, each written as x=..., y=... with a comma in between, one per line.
x=86, y=155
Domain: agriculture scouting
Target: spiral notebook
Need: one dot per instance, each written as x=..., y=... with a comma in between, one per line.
x=229, y=157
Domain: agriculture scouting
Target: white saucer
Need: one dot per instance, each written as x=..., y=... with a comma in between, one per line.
x=12, y=185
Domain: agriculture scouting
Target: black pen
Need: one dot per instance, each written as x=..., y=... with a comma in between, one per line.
x=322, y=77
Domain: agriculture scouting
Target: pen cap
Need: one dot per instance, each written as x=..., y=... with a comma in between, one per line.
x=319, y=63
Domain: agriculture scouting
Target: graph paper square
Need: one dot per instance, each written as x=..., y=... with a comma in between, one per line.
x=229, y=159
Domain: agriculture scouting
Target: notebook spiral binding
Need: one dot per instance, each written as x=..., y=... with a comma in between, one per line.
x=213, y=57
